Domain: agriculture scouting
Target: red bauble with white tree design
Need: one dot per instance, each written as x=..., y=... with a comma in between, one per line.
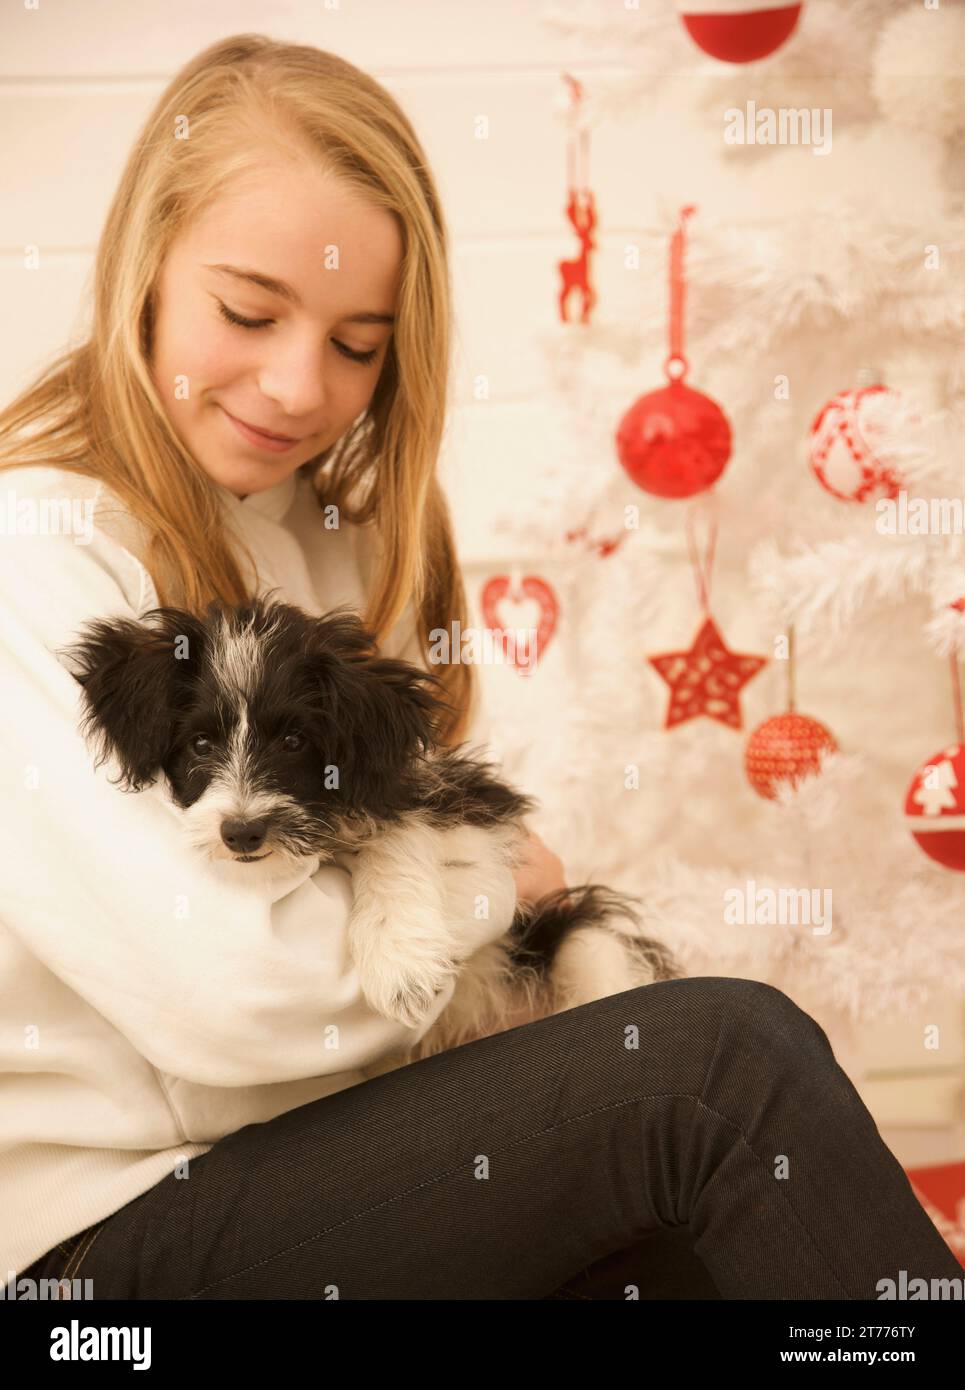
x=935, y=807
x=786, y=748
x=849, y=441
x=739, y=31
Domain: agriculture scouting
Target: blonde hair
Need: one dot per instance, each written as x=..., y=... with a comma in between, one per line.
x=95, y=410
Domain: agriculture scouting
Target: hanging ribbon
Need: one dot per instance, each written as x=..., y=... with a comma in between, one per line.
x=678, y=287
x=578, y=143
x=702, y=564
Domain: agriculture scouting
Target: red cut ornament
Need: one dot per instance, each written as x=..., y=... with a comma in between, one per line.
x=846, y=435
x=935, y=807
x=706, y=679
x=739, y=31
x=785, y=748
x=524, y=642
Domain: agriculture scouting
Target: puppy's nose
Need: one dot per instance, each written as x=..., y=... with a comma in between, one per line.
x=244, y=836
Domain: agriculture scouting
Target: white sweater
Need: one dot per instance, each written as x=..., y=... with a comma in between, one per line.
x=151, y=1003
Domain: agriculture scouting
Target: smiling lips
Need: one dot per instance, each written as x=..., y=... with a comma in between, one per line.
x=285, y=438
x=263, y=438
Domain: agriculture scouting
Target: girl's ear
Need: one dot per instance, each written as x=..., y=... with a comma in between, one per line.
x=132, y=673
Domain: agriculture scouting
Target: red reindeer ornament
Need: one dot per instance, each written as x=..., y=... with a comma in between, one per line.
x=581, y=212
x=575, y=274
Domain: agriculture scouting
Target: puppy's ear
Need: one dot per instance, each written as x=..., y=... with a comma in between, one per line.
x=132, y=674
x=399, y=706
x=382, y=711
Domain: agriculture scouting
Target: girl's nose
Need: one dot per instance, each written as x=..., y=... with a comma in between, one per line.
x=293, y=376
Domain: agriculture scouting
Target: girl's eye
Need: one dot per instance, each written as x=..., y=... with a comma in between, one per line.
x=199, y=743
x=364, y=357
x=229, y=315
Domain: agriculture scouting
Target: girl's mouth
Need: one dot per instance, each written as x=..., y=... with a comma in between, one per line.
x=275, y=444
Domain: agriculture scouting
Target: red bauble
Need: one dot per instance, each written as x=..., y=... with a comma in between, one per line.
x=674, y=442
x=785, y=749
x=845, y=437
x=935, y=807
x=739, y=31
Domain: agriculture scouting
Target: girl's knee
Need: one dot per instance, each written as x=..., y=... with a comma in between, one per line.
x=753, y=1006
x=773, y=1021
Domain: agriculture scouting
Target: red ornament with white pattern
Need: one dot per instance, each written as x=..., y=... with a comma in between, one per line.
x=848, y=444
x=786, y=748
x=739, y=31
x=707, y=678
x=935, y=807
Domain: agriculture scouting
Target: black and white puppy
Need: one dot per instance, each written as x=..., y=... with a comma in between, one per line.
x=285, y=737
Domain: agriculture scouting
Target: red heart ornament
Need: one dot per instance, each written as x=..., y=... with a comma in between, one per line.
x=533, y=599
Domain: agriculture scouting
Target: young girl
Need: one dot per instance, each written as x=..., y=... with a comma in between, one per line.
x=260, y=405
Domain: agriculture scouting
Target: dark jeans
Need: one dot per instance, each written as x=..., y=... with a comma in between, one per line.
x=726, y=1154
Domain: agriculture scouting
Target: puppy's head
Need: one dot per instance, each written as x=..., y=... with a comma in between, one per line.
x=275, y=730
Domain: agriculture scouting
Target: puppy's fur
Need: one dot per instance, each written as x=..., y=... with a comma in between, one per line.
x=285, y=737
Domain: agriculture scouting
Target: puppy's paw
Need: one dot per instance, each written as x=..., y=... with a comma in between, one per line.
x=402, y=994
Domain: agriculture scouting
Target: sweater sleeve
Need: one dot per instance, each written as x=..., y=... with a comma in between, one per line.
x=211, y=979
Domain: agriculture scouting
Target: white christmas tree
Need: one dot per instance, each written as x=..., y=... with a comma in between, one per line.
x=783, y=311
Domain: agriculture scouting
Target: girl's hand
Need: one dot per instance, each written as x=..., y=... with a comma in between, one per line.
x=540, y=872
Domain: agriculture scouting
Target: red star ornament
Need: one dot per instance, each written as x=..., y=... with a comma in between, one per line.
x=707, y=679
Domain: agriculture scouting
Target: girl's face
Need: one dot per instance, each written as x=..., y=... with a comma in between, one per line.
x=312, y=273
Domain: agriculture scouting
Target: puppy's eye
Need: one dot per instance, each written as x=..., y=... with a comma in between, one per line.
x=199, y=743
x=293, y=742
